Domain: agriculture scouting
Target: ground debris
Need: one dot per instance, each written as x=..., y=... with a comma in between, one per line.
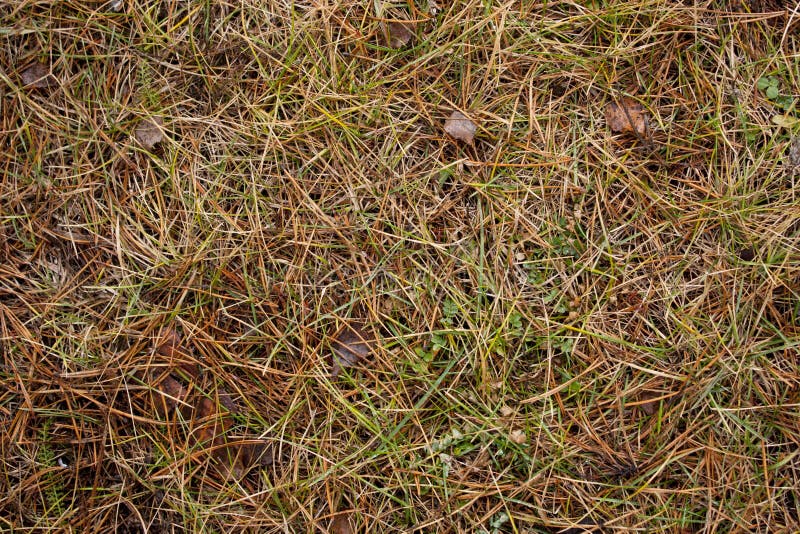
x=398, y=34
x=150, y=132
x=37, y=76
x=627, y=116
x=460, y=127
x=352, y=345
x=341, y=524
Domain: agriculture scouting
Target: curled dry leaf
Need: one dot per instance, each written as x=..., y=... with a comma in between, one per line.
x=167, y=393
x=350, y=346
x=460, y=127
x=150, y=132
x=232, y=458
x=627, y=116
x=398, y=34
x=211, y=423
x=747, y=254
x=649, y=404
x=37, y=76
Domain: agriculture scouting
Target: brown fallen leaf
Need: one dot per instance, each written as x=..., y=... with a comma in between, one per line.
x=234, y=459
x=207, y=423
x=211, y=416
x=171, y=347
x=211, y=424
x=351, y=345
x=398, y=34
x=341, y=524
x=793, y=161
x=460, y=127
x=627, y=116
x=170, y=344
x=518, y=437
x=168, y=393
x=37, y=76
x=150, y=132
x=649, y=402
x=255, y=453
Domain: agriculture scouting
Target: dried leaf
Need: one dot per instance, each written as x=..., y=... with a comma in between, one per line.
x=649, y=402
x=255, y=453
x=785, y=121
x=794, y=155
x=627, y=116
x=171, y=348
x=460, y=127
x=211, y=423
x=398, y=34
x=168, y=394
x=37, y=76
x=341, y=524
x=208, y=424
x=231, y=458
x=235, y=459
x=212, y=417
x=518, y=437
x=170, y=341
x=650, y=407
x=226, y=401
x=349, y=347
x=150, y=132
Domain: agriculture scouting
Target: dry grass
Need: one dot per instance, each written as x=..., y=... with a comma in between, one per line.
x=571, y=326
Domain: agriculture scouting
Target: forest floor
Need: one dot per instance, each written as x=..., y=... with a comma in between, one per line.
x=344, y=266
